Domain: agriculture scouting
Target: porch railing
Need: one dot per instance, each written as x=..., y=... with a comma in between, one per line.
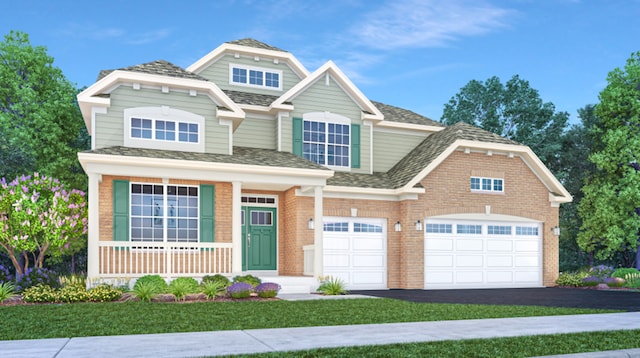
x=167, y=259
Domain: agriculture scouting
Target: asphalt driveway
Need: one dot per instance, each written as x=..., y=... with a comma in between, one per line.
x=552, y=297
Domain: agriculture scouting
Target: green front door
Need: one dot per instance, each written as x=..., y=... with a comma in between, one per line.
x=259, y=238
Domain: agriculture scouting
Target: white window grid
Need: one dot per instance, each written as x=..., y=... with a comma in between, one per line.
x=498, y=230
x=326, y=143
x=336, y=227
x=526, y=231
x=487, y=184
x=164, y=130
x=469, y=229
x=363, y=227
x=438, y=228
x=255, y=77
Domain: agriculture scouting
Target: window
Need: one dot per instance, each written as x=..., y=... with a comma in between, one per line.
x=164, y=130
x=362, y=227
x=164, y=213
x=255, y=77
x=498, y=230
x=487, y=184
x=326, y=143
x=438, y=228
x=336, y=227
x=261, y=218
x=526, y=231
x=469, y=229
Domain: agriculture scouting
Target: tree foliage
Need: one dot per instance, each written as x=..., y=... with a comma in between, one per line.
x=513, y=110
x=610, y=209
x=41, y=128
x=40, y=218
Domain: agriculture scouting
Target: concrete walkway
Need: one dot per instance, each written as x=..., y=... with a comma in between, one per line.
x=289, y=339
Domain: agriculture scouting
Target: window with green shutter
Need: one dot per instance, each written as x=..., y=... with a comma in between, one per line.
x=120, y=210
x=327, y=139
x=207, y=213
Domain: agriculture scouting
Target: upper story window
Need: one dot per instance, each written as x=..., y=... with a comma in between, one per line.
x=255, y=77
x=163, y=128
x=487, y=184
x=326, y=139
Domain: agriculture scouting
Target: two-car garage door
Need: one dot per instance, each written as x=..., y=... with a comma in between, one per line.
x=355, y=250
x=482, y=254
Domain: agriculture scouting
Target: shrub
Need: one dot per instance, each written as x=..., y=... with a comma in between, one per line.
x=572, y=279
x=212, y=289
x=40, y=293
x=614, y=281
x=250, y=279
x=156, y=280
x=591, y=281
x=7, y=291
x=601, y=271
x=104, y=293
x=73, y=280
x=216, y=278
x=72, y=294
x=332, y=286
x=632, y=280
x=35, y=276
x=145, y=290
x=239, y=290
x=268, y=289
x=5, y=274
x=624, y=271
x=181, y=286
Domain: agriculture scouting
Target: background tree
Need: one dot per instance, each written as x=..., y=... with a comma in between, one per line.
x=513, y=110
x=610, y=209
x=41, y=128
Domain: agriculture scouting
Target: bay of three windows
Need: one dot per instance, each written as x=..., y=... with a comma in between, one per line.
x=487, y=184
x=256, y=77
x=165, y=130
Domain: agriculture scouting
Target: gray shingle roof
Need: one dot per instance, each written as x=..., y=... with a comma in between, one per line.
x=375, y=180
x=159, y=67
x=241, y=155
x=249, y=42
x=251, y=98
x=397, y=114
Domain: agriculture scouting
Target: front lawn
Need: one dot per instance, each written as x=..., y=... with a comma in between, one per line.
x=103, y=319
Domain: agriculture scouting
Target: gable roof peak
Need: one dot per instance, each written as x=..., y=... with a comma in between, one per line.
x=158, y=67
x=249, y=42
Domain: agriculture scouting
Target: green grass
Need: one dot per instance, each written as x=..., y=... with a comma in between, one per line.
x=103, y=319
x=499, y=347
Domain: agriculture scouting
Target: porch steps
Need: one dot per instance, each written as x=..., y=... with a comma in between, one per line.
x=293, y=284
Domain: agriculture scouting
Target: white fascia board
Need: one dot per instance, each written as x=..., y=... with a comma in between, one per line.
x=483, y=217
x=409, y=126
x=344, y=83
x=185, y=169
x=530, y=159
x=347, y=192
x=227, y=48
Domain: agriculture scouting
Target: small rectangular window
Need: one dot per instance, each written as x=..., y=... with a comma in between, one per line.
x=498, y=230
x=362, y=227
x=255, y=77
x=469, y=229
x=336, y=227
x=438, y=228
x=526, y=231
x=487, y=184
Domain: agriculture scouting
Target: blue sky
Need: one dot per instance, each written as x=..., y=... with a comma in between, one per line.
x=414, y=54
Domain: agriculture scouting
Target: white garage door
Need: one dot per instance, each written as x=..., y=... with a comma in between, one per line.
x=355, y=251
x=482, y=254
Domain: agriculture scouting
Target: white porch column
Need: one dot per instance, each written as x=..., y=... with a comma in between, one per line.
x=317, y=234
x=236, y=230
x=93, y=235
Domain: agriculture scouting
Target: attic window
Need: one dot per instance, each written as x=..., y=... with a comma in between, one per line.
x=480, y=184
x=255, y=77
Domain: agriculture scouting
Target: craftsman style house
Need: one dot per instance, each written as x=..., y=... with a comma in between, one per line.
x=246, y=162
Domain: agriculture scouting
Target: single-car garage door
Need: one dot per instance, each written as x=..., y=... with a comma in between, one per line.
x=482, y=254
x=355, y=251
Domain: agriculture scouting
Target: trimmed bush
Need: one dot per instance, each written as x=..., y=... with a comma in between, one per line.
x=571, y=279
x=213, y=289
x=591, y=281
x=145, y=290
x=36, y=276
x=250, y=279
x=72, y=294
x=624, y=271
x=104, y=293
x=239, y=290
x=182, y=286
x=614, y=281
x=155, y=280
x=40, y=293
x=223, y=280
x=268, y=289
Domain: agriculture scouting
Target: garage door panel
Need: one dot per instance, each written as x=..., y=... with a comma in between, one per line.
x=365, y=243
x=439, y=261
x=500, y=261
x=439, y=277
x=439, y=244
x=499, y=276
x=468, y=277
x=469, y=261
x=499, y=245
x=336, y=260
x=527, y=261
x=373, y=261
x=368, y=277
x=468, y=245
x=527, y=276
x=336, y=243
x=526, y=245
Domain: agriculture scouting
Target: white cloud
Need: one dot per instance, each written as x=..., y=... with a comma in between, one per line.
x=427, y=23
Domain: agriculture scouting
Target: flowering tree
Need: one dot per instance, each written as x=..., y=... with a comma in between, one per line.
x=40, y=218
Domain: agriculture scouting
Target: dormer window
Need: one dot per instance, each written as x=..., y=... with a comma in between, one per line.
x=163, y=128
x=255, y=77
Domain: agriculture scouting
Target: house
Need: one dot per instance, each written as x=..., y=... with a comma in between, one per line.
x=246, y=162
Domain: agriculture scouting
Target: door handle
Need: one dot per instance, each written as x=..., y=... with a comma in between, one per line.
x=249, y=240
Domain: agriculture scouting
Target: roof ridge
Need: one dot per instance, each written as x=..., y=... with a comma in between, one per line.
x=398, y=114
x=251, y=42
x=157, y=67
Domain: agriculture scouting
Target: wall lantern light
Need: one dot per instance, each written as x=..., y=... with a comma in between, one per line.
x=398, y=226
x=418, y=225
x=556, y=230
x=311, y=225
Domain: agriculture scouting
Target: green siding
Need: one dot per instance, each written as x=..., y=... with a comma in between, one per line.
x=389, y=148
x=120, y=210
x=355, y=146
x=297, y=136
x=207, y=213
x=218, y=73
x=110, y=126
x=256, y=133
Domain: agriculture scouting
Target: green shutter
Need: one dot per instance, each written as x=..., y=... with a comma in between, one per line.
x=355, y=146
x=207, y=213
x=297, y=136
x=120, y=210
